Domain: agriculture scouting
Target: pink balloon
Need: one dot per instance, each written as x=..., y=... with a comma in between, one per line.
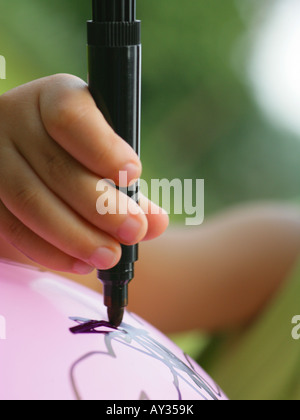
x=41, y=359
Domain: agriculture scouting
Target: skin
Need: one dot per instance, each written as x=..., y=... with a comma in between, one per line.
x=55, y=146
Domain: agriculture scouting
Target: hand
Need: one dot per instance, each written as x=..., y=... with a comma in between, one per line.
x=55, y=146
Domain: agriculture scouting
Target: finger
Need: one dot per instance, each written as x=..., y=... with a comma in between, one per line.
x=72, y=118
x=35, y=248
x=29, y=200
x=158, y=219
x=79, y=189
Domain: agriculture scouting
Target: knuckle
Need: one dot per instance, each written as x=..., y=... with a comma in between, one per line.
x=61, y=83
x=26, y=198
x=60, y=77
x=65, y=79
x=65, y=104
x=58, y=167
x=66, y=115
x=15, y=232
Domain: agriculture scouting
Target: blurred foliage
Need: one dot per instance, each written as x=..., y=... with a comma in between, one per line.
x=199, y=119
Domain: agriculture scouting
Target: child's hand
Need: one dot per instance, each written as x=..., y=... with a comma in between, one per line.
x=55, y=146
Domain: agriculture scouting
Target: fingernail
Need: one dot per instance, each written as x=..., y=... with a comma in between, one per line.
x=103, y=258
x=133, y=171
x=129, y=230
x=82, y=268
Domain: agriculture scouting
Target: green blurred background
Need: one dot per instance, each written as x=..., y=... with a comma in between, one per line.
x=199, y=119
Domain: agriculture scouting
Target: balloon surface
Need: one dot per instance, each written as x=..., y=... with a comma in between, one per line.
x=53, y=346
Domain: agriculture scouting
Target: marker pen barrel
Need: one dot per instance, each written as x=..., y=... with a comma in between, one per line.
x=114, y=77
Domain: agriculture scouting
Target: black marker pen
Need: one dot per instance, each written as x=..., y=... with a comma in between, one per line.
x=114, y=56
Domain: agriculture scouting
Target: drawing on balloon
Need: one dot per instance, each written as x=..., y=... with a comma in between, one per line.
x=139, y=340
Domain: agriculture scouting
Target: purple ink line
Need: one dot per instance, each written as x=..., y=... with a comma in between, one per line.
x=90, y=327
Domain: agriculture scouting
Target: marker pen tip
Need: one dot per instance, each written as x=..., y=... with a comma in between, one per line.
x=115, y=315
